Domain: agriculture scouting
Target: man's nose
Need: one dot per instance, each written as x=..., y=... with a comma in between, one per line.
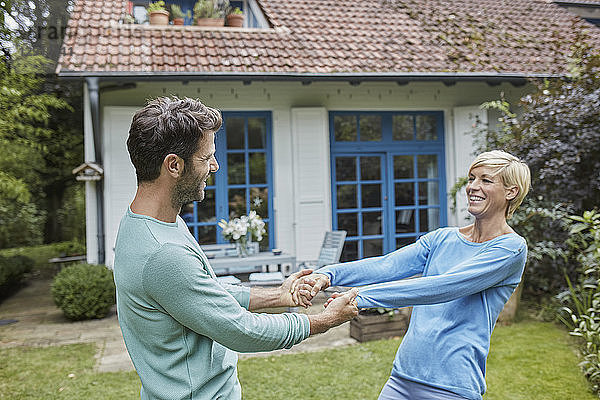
x=214, y=166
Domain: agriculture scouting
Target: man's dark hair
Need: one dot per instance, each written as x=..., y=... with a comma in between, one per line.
x=168, y=125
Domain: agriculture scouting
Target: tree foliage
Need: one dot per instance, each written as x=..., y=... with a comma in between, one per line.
x=40, y=117
x=556, y=130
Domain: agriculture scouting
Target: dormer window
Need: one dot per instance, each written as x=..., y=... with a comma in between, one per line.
x=253, y=15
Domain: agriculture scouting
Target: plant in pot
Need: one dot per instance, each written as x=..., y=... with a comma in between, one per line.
x=157, y=13
x=235, y=17
x=178, y=15
x=209, y=13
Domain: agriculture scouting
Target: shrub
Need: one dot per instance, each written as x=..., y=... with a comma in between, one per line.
x=12, y=272
x=84, y=291
x=556, y=130
x=581, y=310
x=42, y=253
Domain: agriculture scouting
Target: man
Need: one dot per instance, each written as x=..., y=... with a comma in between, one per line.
x=181, y=327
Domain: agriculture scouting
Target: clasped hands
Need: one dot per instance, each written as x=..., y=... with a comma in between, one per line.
x=305, y=285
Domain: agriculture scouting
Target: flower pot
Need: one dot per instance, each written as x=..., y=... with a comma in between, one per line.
x=160, y=17
x=210, y=22
x=235, y=20
x=178, y=21
x=366, y=327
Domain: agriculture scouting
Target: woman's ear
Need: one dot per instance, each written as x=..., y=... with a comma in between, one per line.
x=173, y=165
x=512, y=192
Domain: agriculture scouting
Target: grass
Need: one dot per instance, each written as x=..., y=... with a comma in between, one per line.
x=40, y=255
x=62, y=372
x=528, y=360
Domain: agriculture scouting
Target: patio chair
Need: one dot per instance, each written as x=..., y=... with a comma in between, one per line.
x=330, y=252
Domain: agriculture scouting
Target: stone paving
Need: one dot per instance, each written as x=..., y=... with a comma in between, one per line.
x=41, y=323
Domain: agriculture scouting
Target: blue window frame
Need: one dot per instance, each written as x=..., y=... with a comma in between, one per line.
x=388, y=180
x=244, y=181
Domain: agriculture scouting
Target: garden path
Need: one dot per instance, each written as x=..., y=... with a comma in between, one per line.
x=41, y=323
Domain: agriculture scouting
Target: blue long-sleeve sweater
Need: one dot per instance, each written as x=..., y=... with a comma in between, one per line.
x=462, y=289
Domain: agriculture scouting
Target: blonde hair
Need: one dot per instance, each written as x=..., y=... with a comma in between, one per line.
x=511, y=170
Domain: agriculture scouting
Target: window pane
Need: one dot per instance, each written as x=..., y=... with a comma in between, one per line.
x=372, y=247
x=259, y=201
x=371, y=223
x=403, y=127
x=370, y=168
x=344, y=127
x=370, y=128
x=211, y=180
x=429, y=193
x=371, y=195
x=236, y=169
x=426, y=127
x=403, y=167
x=429, y=219
x=206, y=209
x=237, y=202
x=404, y=241
x=257, y=133
x=405, y=194
x=345, y=168
x=258, y=167
x=346, y=196
x=427, y=166
x=207, y=234
x=348, y=222
x=234, y=131
x=405, y=221
x=350, y=251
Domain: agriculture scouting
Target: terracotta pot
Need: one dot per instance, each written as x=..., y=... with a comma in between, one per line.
x=210, y=22
x=159, y=18
x=235, y=20
x=178, y=21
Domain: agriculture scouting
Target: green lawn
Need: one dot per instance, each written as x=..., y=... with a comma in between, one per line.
x=528, y=360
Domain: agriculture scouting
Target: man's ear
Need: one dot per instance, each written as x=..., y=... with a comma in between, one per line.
x=512, y=192
x=173, y=165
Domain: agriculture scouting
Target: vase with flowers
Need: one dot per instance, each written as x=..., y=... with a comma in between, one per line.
x=242, y=230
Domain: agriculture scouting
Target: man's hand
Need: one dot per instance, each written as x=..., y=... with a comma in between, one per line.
x=280, y=296
x=286, y=292
x=339, y=309
x=306, y=288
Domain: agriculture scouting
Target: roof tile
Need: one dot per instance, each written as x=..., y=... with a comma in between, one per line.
x=353, y=36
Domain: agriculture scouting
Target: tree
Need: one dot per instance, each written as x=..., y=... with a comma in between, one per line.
x=556, y=130
x=49, y=139
x=30, y=139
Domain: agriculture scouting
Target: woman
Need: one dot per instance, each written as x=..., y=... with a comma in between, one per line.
x=467, y=275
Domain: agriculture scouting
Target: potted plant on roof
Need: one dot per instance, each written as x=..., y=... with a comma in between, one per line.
x=157, y=13
x=235, y=18
x=178, y=15
x=209, y=13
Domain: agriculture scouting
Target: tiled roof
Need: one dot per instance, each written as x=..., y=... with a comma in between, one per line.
x=332, y=36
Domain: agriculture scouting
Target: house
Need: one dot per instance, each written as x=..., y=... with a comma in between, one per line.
x=353, y=115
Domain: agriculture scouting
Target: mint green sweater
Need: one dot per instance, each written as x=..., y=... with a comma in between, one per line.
x=181, y=327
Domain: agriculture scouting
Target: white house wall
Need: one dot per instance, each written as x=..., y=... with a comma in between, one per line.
x=297, y=110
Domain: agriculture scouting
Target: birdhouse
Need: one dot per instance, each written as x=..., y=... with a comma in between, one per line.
x=88, y=172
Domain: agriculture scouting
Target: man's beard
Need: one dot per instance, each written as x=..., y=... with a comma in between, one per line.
x=187, y=190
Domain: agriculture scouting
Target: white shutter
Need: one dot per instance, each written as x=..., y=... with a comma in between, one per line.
x=119, y=175
x=312, y=188
x=465, y=120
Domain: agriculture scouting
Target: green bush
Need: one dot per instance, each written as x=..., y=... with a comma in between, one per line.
x=42, y=253
x=581, y=310
x=84, y=291
x=12, y=273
